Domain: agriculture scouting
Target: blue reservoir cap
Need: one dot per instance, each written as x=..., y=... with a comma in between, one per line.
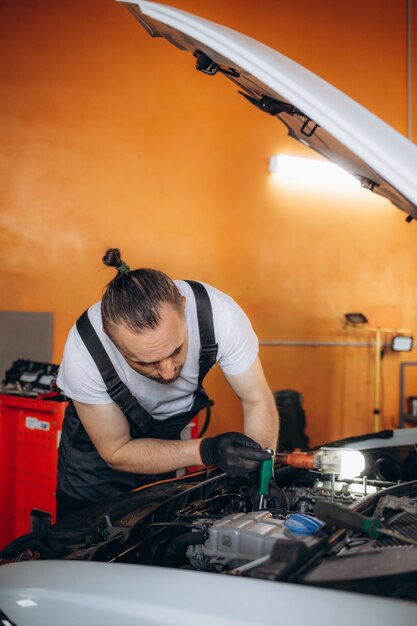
x=302, y=524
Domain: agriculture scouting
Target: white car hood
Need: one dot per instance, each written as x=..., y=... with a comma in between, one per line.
x=69, y=593
x=315, y=113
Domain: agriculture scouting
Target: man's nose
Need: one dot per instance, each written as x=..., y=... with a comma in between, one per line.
x=166, y=369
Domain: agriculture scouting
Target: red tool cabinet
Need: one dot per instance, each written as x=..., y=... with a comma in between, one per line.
x=30, y=431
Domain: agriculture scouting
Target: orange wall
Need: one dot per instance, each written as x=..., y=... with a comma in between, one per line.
x=109, y=138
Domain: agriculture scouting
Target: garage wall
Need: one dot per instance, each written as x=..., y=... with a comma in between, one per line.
x=111, y=139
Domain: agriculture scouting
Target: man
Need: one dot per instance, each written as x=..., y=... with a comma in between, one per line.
x=133, y=368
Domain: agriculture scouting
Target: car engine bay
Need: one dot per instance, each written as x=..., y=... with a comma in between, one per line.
x=212, y=522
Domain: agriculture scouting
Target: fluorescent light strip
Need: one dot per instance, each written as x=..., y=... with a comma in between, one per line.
x=317, y=175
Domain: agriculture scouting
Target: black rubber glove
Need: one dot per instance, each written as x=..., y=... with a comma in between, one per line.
x=234, y=453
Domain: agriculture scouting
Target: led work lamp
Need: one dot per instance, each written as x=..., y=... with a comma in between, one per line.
x=343, y=463
x=402, y=343
x=355, y=319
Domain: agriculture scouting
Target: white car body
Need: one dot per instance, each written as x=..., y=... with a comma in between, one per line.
x=72, y=593
x=348, y=134
x=102, y=594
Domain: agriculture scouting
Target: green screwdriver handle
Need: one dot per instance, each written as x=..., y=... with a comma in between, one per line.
x=266, y=473
x=344, y=517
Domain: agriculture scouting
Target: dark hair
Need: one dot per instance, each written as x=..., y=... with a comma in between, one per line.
x=133, y=298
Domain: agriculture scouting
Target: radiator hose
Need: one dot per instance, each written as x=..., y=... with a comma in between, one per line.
x=177, y=547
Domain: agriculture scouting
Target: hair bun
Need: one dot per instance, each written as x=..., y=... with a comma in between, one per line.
x=112, y=258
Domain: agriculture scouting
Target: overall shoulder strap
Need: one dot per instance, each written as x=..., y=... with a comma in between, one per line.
x=116, y=389
x=209, y=347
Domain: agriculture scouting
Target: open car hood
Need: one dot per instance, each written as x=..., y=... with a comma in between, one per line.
x=314, y=112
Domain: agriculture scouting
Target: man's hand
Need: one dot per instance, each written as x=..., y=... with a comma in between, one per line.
x=234, y=453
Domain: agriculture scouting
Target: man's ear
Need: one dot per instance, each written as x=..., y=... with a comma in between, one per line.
x=183, y=302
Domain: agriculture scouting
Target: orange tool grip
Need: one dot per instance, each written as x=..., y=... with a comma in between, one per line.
x=304, y=460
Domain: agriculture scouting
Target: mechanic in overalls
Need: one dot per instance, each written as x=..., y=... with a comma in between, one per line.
x=133, y=367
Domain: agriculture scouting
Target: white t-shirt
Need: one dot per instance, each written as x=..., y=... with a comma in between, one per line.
x=80, y=379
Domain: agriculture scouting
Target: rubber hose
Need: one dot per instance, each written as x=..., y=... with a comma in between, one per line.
x=175, y=552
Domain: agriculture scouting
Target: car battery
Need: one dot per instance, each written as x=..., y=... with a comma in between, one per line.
x=30, y=431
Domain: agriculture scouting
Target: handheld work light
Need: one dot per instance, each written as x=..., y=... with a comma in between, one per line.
x=341, y=462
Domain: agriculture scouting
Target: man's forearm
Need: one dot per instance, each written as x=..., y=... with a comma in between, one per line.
x=261, y=420
x=155, y=456
x=108, y=429
x=260, y=414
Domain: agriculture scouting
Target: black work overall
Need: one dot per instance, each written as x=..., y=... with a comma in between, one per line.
x=83, y=476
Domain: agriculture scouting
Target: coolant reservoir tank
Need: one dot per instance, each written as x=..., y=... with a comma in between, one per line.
x=245, y=536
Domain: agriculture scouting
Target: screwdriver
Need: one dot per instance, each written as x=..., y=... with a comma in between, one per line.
x=265, y=477
x=344, y=517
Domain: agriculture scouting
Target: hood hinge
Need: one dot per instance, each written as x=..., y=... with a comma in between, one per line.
x=275, y=107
